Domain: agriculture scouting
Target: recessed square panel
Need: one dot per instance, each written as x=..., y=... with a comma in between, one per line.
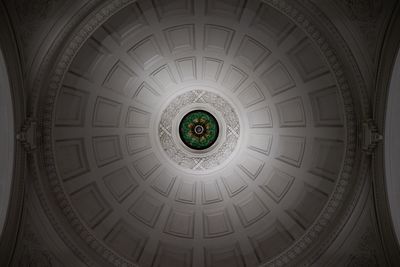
x=180, y=223
x=187, y=68
x=125, y=23
x=163, y=77
x=168, y=255
x=274, y=23
x=233, y=183
x=147, y=209
x=90, y=204
x=251, y=95
x=327, y=158
x=173, y=8
x=217, y=38
x=326, y=106
x=251, y=166
x=260, y=142
x=89, y=58
x=210, y=192
x=277, y=79
x=147, y=95
x=163, y=183
x=216, y=223
x=251, y=52
x=250, y=209
x=180, y=38
x=106, y=149
x=226, y=256
x=71, y=107
x=186, y=192
x=308, y=60
x=71, y=158
x=211, y=69
x=137, y=118
x=121, y=183
x=146, y=52
x=226, y=9
x=260, y=118
x=291, y=149
x=291, y=112
x=234, y=78
x=277, y=184
x=106, y=113
x=120, y=79
x=136, y=143
x=307, y=206
x=276, y=234
x=146, y=165
x=127, y=240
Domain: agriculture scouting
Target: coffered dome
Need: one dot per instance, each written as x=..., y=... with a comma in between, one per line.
x=198, y=133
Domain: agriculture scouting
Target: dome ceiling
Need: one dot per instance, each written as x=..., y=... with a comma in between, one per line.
x=253, y=176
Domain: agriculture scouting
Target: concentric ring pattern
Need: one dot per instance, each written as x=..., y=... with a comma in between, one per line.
x=226, y=123
x=198, y=129
x=263, y=184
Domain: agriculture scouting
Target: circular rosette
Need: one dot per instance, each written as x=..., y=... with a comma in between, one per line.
x=198, y=129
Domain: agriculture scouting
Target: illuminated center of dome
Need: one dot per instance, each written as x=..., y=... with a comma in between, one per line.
x=198, y=129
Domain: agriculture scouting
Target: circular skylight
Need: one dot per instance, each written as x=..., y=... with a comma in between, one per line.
x=198, y=129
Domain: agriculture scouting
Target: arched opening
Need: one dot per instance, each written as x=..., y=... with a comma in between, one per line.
x=6, y=142
x=392, y=146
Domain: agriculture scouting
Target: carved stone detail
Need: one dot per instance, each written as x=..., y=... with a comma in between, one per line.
x=366, y=252
x=363, y=10
x=32, y=16
x=371, y=136
x=35, y=258
x=33, y=252
x=27, y=135
x=365, y=14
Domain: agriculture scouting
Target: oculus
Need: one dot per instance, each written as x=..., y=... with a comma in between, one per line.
x=198, y=129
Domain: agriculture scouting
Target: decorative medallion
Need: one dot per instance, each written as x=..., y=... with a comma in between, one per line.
x=199, y=130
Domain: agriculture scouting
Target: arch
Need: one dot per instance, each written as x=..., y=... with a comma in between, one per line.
x=6, y=142
x=392, y=146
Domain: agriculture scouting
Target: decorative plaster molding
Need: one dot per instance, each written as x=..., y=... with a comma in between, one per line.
x=32, y=251
x=371, y=136
x=340, y=194
x=365, y=14
x=225, y=145
x=27, y=135
x=362, y=10
x=366, y=251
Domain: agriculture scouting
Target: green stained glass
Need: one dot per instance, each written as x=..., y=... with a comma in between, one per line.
x=198, y=129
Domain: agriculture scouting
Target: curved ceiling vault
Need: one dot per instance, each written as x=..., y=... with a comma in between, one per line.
x=270, y=187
